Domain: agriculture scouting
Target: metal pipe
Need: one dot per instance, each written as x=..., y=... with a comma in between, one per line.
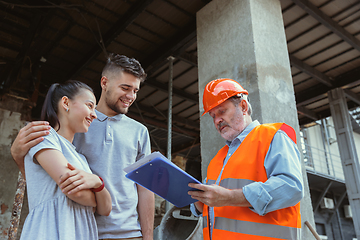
x=323, y=132
x=170, y=91
x=327, y=136
x=312, y=230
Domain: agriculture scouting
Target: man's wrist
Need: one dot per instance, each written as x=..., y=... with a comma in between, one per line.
x=148, y=236
x=199, y=207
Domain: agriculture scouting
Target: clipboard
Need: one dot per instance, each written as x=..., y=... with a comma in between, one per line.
x=159, y=175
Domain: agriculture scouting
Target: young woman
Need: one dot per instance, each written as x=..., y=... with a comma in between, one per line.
x=54, y=212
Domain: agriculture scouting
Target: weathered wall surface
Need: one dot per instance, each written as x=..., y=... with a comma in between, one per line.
x=12, y=114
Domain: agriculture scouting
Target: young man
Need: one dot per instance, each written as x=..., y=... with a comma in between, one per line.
x=254, y=183
x=113, y=142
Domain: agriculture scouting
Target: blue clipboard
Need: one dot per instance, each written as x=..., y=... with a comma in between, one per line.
x=156, y=173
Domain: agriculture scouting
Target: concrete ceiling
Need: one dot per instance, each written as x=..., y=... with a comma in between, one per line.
x=47, y=41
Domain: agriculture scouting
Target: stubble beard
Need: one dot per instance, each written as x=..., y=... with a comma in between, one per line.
x=114, y=105
x=232, y=130
x=116, y=108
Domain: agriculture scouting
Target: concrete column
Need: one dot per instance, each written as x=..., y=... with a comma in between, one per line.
x=13, y=113
x=245, y=40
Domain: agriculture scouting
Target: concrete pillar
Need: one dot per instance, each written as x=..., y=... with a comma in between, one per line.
x=13, y=113
x=245, y=40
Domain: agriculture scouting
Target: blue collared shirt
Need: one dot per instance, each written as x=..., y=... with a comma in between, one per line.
x=110, y=145
x=284, y=187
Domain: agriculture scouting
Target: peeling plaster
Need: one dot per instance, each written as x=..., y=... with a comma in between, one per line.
x=4, y=207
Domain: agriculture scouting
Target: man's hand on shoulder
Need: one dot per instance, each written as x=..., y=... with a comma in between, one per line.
x=28, y=136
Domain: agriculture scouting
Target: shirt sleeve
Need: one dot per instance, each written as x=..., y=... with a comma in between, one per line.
x=284, y=187
x=193, y=209
x=49, y=142
x=144, y=148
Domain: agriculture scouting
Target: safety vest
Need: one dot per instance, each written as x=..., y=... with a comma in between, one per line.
x=245, y=166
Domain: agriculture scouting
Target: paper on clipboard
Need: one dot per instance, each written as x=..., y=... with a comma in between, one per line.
x=156, y=173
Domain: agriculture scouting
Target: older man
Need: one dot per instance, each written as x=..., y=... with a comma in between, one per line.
x=254, y=183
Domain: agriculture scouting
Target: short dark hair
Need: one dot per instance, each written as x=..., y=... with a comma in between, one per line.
x=70, y=88
x=116, y=62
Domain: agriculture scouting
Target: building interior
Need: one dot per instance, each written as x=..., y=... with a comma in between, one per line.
x=47, y=41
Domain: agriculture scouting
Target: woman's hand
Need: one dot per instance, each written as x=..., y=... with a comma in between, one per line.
x=77, y=180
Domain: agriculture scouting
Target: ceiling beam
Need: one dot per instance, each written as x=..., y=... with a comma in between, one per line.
x=319, y=91
x=319, y=76
x=9, y=46
x=328, y=22
x=150, y=121
x=176, y=119
x=308, y=113
x=346, y=80
x=352, y=96
x=189, y=58
x=173, y=47
x=323, y=114
x=186, y=146
x=36, y=22
x=35, y=25
x=45, y=51
x=177, y=92
x=111, y=34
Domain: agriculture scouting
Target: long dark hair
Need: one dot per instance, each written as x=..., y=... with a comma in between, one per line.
x=56, y=91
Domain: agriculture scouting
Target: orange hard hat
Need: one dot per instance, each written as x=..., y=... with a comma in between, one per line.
x=218, y=91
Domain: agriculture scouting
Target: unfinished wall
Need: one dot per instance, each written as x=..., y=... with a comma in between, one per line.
x=13, y=113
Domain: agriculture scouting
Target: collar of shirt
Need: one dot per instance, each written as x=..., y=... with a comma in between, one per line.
x=102, y=117
x=243, y=134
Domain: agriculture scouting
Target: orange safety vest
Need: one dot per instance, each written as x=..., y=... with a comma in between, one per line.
x=245, y=166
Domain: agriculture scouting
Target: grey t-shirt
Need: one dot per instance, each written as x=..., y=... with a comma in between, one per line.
x=52, y=215
x=110, y=145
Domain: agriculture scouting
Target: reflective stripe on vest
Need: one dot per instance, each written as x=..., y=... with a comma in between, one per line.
x=205, y=221
x=256, y=229
x=233, y=183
